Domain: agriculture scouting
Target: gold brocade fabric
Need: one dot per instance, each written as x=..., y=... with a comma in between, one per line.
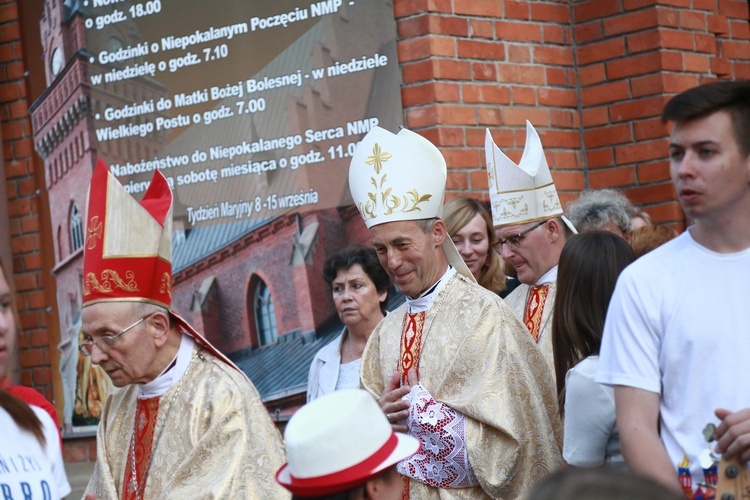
x=517, y=302
x=216, y=439
x=480, y=360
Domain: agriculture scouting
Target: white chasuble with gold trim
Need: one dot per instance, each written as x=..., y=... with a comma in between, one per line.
x=478, y=360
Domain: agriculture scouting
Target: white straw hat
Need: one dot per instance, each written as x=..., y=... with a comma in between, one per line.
x=339, y=441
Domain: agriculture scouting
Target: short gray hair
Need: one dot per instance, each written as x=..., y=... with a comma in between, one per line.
x=426, y=224
x=597, y=208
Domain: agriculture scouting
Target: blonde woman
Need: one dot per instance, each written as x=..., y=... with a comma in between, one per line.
x=470, y=227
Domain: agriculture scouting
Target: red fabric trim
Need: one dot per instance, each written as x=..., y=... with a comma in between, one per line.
x=411, y=345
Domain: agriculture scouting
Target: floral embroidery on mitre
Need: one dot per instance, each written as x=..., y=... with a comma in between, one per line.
x=109, y=280
x=408, y=202
x=443, y=461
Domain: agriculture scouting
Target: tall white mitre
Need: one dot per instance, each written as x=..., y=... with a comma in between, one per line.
x=525, y=192
x=400, y=177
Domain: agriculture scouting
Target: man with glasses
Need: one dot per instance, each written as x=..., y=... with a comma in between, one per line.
x=184, y=421
x=531, y=232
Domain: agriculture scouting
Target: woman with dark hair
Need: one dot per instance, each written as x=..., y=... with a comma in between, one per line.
x=359, y=286
x=470, y=227
x=30, y=444
x=589, y=266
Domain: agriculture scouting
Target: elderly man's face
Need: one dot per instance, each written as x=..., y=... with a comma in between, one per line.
x=412, y=259
x=535, y=252
x=129, y=359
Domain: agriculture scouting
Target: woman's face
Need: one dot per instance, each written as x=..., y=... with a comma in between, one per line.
x=7, y=325
x=356, y=297
x=473, y=244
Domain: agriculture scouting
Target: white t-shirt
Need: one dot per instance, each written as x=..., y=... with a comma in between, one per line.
x=591, y=437
x=679, y=325
x=28, y=470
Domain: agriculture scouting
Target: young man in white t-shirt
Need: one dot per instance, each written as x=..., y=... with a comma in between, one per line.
x=676, y=343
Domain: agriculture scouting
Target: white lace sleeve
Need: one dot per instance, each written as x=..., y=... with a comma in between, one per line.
x=443, y=460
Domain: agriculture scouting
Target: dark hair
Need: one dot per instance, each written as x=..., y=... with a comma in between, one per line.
x=578, y=483
x=367, y=258
x=343, y=495
x=589, y=266
x=22, y=415
x=725, y=95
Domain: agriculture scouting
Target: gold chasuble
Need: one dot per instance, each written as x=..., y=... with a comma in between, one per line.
x=208, y=436
x=524, y=302
x=475, y=357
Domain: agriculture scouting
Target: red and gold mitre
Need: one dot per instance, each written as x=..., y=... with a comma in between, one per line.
x=128, y=248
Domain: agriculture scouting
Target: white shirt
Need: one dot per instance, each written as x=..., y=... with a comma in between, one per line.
x=679, y=325
x=591, y=437
x=28, y=469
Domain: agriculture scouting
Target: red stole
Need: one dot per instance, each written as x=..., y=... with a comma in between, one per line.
x=411, y=349
x=140, y=449
x=532, y=314
x=411, y=344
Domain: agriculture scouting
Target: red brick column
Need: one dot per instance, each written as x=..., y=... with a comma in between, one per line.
x=28, y=233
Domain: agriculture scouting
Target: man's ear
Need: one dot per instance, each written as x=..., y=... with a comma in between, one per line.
x=554, y=231
x=159, y=322
x=439, y=232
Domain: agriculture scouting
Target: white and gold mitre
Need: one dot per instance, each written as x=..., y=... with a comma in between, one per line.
x=400, y=177
x=397, y=177
x=521, y=193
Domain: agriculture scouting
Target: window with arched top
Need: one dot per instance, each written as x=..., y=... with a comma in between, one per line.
x=76, y=229
x=265, y=319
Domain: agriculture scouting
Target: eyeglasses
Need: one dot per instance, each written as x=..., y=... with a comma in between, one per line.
x=106, y=343
x=514, y=241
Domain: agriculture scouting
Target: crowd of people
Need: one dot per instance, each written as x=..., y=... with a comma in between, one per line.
x=612, y=346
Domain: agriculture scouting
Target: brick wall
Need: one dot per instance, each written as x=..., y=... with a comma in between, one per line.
x=28, y=216
x=632, y=55
x=591, y=75
x=472, y=64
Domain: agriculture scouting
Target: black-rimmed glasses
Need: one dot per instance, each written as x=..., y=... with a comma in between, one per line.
x=514, y=241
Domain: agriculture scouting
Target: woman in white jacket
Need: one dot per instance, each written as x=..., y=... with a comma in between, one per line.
x=359, y=286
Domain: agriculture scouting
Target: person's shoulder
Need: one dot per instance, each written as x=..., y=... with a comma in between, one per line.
x=469, y=295
x=220, y=376
x=50, y=428
x=330, y=349
x=666, y=257
x=465, y=287
x=32, y=397
x=586, y=367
